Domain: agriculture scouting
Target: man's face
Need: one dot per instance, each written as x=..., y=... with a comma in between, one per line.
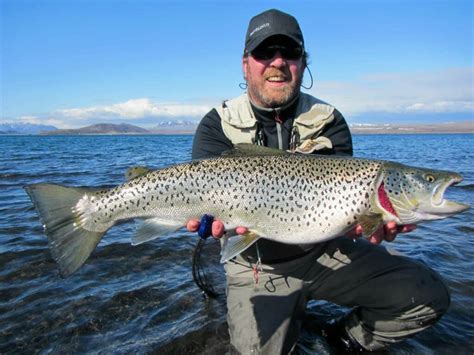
x=273, y=75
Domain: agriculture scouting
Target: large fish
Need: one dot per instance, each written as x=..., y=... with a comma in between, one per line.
x=288, y=198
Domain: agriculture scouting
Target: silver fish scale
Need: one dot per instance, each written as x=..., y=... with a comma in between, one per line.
x=290, y=198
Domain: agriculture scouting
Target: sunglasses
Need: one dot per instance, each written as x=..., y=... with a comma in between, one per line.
x=268, y=52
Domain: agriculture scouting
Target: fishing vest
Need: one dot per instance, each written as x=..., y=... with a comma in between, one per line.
x=240, y=125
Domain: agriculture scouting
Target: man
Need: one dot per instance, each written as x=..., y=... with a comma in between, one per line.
x=393, y=297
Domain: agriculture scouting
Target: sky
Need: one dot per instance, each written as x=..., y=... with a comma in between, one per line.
x=70, y=63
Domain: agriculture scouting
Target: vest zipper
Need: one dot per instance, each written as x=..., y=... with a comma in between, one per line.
x=259, y=137
x=295, y=137
x=278, y=127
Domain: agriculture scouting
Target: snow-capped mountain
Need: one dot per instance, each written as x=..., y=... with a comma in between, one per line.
x=24, y=128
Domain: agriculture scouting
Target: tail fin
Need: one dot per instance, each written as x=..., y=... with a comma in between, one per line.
x=70, y=244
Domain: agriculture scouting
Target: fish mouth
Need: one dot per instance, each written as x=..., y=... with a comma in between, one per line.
x=440, y=206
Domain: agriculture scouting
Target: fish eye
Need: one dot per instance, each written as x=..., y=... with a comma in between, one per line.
x=430, y=178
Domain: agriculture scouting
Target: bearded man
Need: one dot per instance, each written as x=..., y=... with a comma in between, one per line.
x=392, y=297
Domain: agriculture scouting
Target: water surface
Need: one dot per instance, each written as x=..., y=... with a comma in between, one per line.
x=142, y=299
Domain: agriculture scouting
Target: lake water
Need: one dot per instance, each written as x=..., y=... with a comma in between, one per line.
x=142, y=299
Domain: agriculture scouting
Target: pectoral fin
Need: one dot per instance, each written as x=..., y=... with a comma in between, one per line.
x=153, y=228
x=370, y=223
x=233, y=246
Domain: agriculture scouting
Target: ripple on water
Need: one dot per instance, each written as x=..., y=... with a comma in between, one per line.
x=142, y=299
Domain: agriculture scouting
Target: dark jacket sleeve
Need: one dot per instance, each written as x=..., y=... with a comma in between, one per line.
x=339, y=134
x=209, y=139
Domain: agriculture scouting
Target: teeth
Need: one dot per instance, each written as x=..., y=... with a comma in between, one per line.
x=276, y=78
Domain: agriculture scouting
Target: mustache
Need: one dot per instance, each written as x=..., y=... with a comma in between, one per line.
x=275, y=72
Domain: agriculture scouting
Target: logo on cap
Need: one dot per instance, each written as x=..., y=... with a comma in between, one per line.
x=259, y=28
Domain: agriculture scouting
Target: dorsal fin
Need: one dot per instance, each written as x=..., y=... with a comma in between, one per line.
x=136, y=171
x=247, y=149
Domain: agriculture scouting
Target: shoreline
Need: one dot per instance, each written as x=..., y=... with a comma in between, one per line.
x=355, y=132
x=461, y=127
x=464, y=127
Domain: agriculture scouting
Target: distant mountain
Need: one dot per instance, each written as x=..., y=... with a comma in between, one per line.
x=413, y=128
x=175, y=127
x=189, y=127
x=24, y=128
x=178, y=123
x=102, y=128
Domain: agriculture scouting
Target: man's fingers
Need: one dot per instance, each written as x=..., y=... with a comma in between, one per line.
x=406, y=228
x=390, y=231
x=356, y=232
x=218, y=229
x=390, y=228
x=378, y=236
x=390, y=237
x=241, y=230
x=192, y=225
x=374, y=240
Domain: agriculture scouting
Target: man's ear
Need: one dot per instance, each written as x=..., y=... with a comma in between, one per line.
x=245, y=64
x=305, y=60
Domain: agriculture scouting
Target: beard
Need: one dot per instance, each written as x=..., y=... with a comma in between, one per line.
x=276, y=96
x=283, y=96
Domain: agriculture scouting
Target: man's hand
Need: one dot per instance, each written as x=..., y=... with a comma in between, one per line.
x=217, y=229
x=387, y=232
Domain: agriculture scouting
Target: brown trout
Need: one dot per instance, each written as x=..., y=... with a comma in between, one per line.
x=288, y=198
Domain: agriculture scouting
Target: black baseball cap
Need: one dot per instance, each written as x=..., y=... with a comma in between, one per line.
x=271, y=23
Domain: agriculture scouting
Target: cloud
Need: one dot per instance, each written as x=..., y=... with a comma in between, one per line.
x=444, y=91
x=137, y=109
x=442, y=107
x=142, y=111
x=42, y=121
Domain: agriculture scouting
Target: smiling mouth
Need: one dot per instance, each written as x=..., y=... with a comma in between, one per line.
x=276, y=79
